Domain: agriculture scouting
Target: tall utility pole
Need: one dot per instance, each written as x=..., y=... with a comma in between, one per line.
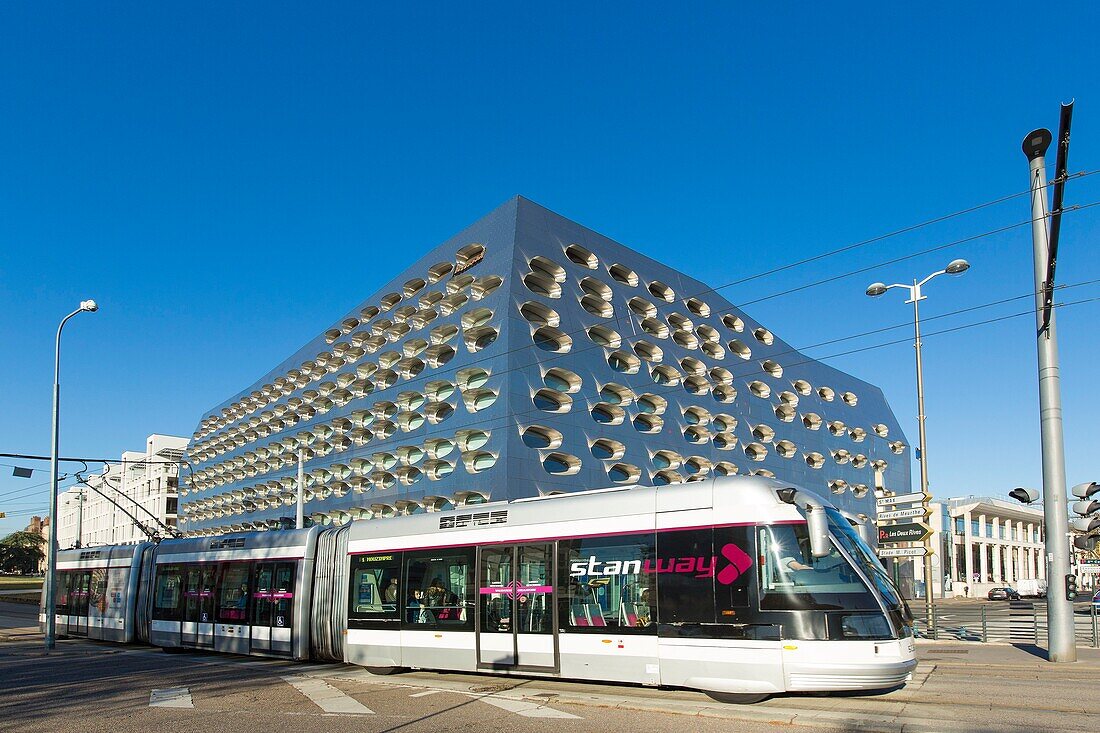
x=1061, y=643
x=50, y=590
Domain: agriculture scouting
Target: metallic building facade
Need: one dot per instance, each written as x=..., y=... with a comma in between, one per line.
x=529, y=355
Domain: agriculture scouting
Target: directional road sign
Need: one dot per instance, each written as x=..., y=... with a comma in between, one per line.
x=916, y=496
x=918, y=513
x=902, y=552
x=910, y=532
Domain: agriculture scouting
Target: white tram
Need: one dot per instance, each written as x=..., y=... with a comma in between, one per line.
x=742, y=587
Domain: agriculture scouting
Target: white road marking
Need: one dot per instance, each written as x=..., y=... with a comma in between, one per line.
x=171, y=697
x=327, y=697
x=526, y=709
x=425, y=693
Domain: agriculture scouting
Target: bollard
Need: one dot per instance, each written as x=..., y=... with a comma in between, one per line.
x=985, y=627
x=1094, y=638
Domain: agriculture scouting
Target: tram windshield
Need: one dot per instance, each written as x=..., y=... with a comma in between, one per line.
x=792, y=578
x=864, y=556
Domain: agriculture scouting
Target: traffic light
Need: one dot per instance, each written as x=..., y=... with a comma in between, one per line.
x=1085, y=490
x=1024, y=496
x=1088, y=508
x=1071, y=587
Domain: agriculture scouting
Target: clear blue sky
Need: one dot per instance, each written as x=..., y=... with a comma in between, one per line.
x=174, y=161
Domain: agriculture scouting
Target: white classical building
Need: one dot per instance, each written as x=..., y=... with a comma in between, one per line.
x=126, y=499
x=981, y=543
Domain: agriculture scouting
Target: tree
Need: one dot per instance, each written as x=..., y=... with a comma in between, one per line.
x=21, y=553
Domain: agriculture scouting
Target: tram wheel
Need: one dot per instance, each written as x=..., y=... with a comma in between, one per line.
x=738, y=698
x=383, y=670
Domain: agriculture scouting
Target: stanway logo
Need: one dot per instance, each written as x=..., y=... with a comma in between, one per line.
x=701, y=567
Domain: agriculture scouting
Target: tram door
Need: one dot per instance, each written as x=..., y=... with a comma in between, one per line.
x=81, y=582
x=273, y=607
x=198, y=605
x=516, y=608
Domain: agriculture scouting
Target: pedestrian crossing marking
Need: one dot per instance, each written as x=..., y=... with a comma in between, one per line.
x=171, y=697
x=327, y=697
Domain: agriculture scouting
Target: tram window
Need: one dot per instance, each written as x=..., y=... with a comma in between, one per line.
x=233, y=594
x=97, y=598
x=607, y=583
x=791, y=578
x=685, y=576
x=167, y=592
x=533, y=590
x=375, y=587
x=438, y=589
x=261, y=593
x=282, y=595
x=64, y=582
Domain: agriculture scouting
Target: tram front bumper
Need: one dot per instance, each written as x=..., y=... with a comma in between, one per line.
x=848, y=665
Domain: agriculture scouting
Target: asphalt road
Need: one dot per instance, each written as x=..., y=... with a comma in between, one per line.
x=89, y=687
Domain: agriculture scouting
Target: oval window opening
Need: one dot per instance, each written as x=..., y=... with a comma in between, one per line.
x=552, y=339
x=561, y=464
x=549, y=400
x=581, y=256
x=624, y=473
x=623, y=274
x=607, y=449
x=538, y=314
x=562, y=380
x=538, y=436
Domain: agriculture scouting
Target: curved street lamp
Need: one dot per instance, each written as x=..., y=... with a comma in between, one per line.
x=86, y=306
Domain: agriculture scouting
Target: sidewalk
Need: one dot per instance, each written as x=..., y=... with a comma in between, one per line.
x=1017, y=656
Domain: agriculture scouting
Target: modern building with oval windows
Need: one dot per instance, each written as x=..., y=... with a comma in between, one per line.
x=524, y=356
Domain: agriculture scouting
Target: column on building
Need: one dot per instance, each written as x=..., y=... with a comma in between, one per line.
x=1000, y=572
x=983, y=552
x=968, y=545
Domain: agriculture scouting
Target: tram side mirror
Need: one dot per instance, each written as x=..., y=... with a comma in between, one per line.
x=863, y=529
x=816, y=521
x=818, y=525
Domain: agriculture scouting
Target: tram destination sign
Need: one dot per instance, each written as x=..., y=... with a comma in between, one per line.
x=902, y=552
x=916, y=496
x=918, y=513
x=910, y=532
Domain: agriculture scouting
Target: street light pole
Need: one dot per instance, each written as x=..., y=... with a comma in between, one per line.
x=928, y=609
x=1062, y=646
x=51, y=551
x=955, y=267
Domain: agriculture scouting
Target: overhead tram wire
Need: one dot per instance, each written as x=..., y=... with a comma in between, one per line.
x=21, y=490
x=888, y=235
x=511, y=418
x=903, y=258
x=170, y=531
x=909, y=324
x=553, y=356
